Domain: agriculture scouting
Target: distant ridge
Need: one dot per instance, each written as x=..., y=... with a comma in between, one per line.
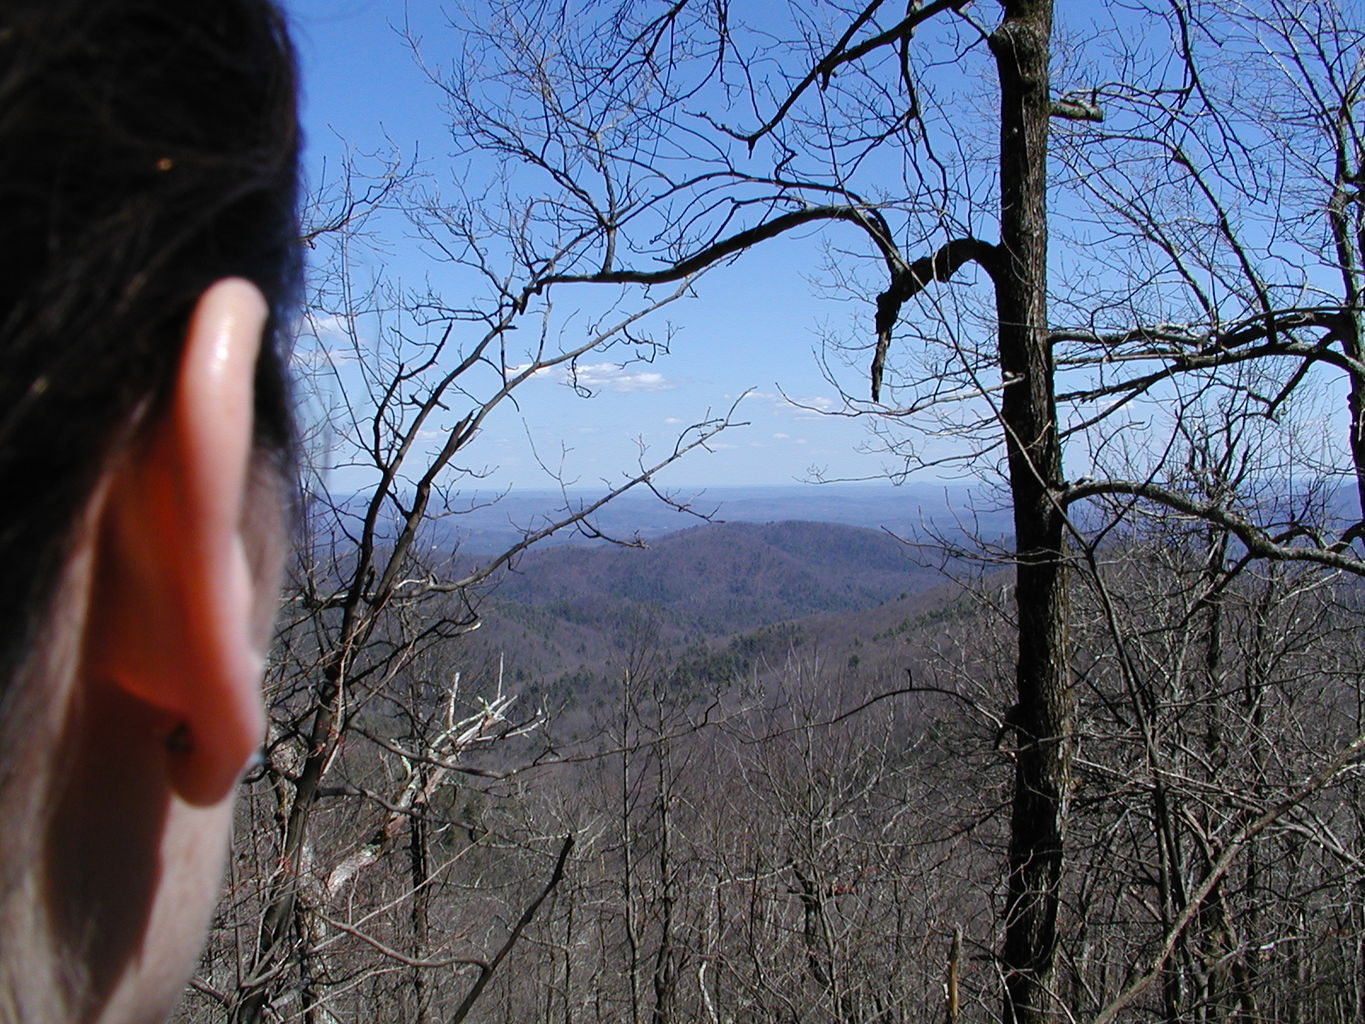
x=572, y=612
x=723, y=578
x=912, y=511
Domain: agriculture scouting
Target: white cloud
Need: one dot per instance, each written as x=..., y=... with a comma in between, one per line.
x=324, y=343
x=320, y=357
x=520, y=368
x=799, y=405
x=329, y=327
x=602, y=376
x=614, y=377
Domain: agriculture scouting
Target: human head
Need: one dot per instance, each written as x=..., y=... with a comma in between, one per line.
x=148, y=155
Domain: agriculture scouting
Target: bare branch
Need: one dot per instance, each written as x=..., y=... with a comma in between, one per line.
x=486, y=971
x=1333, y=555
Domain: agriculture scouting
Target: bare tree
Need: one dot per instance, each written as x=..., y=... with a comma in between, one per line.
x=1116, y=268
x=370, y=717
x=664, y=139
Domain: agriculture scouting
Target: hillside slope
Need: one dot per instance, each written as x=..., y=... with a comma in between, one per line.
x=710, y=602
x=719, y=579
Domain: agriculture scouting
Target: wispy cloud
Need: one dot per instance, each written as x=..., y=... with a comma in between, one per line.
x=796, y=406
x=324, y=343
x=614, y=377
x=520, y=368
x=602, y=376
x=321, y=357
x=329, y=326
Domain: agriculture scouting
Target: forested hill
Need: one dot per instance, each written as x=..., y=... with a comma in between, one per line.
x=723, y=578
x=712, y=602
x=483, y=524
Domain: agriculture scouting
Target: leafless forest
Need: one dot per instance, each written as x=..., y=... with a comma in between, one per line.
x=1109, y=266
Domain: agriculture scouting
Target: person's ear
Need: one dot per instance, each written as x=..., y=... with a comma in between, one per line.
x=173, y=617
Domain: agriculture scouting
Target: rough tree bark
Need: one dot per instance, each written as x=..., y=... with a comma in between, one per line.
x=1029, y=417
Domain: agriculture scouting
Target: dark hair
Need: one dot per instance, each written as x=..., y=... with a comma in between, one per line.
x=147, y=149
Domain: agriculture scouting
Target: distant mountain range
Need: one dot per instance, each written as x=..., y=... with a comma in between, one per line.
x=739, y=604
x=707, y=605
x=858, y=576
x=723, y=589
x=722, y=578
x=911, y=511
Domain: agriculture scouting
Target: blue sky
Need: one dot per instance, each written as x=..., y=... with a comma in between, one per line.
x=753, y=326
x=756, y=325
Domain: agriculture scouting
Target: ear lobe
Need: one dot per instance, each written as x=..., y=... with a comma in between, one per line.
x=172, y=620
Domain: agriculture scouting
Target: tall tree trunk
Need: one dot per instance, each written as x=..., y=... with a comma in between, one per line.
x=281, y=911
x=418, y=877
x=628, y=853
x=665, y=957
x=1028, y=407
